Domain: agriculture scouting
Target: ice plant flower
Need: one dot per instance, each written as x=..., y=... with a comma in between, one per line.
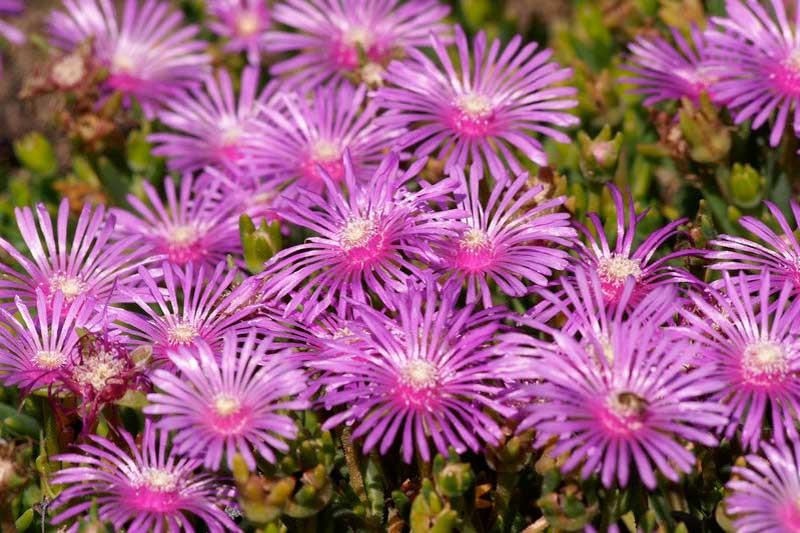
x=243, y=23
x=93, y=262
x=778, y=255
x=630, y=405
x=482, y=109
x=150, y=55
x=194, y=227
x=510, y=240
x=13, y=35
x=367, y=237
x=331, y=36
x=430, y=373
x=615, y=265
x=660, y=71
x=764, y=495
x=210, y=126
x=145, y=487
x=755, y=345
x=236, y=405
x=34, y=348
x=758, y=55
x=298, y=135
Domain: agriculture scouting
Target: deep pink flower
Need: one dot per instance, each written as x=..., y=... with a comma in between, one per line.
x=243, y=23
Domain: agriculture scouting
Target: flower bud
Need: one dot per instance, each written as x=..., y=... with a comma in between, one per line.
x=453, y=479
x=746, y=186
x=36, y=154
x=599, y=156
x=708, y=138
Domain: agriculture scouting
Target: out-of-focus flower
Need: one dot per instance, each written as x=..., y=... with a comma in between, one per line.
x=93, y=263
x=299, y=134
x=427, y=374
x=236, y=405
x=483, y=109
x=367, y=239
x=10, y=8
x=509, y=240
x=243, y=23
x=338, y=38
x=146, y=487
x=149, y=54
x=758, y=61
x=210, y=126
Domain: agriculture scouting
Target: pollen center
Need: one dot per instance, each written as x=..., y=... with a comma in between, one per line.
x=69, y=286
x=764, y=359
x=49, y=360
x=419, y=374
x=473, y=115
x=182, y=333
x=159, y=480
x=475, y=251
x=247, y=24
x=357, y=233
x=226, y=405
x=68, y=71
x=625, y=412
x=617, y=268
x=96, y=370
x=358, y=35
x=182, y=236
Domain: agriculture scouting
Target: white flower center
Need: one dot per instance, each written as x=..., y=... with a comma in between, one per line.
x=182, y=332
x=765, y=357
x=475, y=105
x=226, y=405
x=158, y=479
x=358, y=35
x=247, y=24
x=182, y=236
x=356, y=233
x=372, y=73
x=49, y=360
x=617, y=268
x=70, y=286
x=474, y=238
x=68, y=71
x=419, y=374
x=98, y=369
x=325, y=151
x=122, y=62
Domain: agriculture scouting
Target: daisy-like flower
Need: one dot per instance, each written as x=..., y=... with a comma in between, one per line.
x=149, y=54
x=778, y=255
x=92, y=263
x=34, y=348
x=757, y=51
x=661, y=71
x=615, y=265
x=233, y=406
x=196, y=306
x=299, y=135
x=193, y=228
x=146, y=487
x=765, y=494
x=243, y=23
x=210, y=125
x=631, y=404
x=332, y=35
x=367, y=238
x=483, y=109
x=755, y=346
x=430, y=373
x=508, y=241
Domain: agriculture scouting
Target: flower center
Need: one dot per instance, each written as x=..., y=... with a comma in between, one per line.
x=159, y=480
x=182, y=332
x=183, y=243
x=323, y=154
x=764, y=361
x=248, y=24
x=358, y=35
x=70, y=286
x=226, y=405
x=96, y=370
x=617, y=268
x=372, y=74
x=182, y=236
x=68, y=71
x=786, y=74
x=419, y=374
x=624, y=412
x=122, y=62
x=474, y=115
x=475, y=251
x=49, y=360
x=357, y=233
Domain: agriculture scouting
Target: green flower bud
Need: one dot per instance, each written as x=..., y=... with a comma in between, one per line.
x=746, y=186
x=430, y=514
x=36, y=154
x=259, y=244
x=452, y=479
x=599, y=156
x=24, y=520
x=138, y=152
x=708, y=138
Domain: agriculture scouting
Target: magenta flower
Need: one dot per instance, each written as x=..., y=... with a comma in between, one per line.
x=505, y=241
x=626, y=398
x=754, y=344
x=210, y=126
x=330, y=34
x=614, y=266
x=661, y=71
x=34, y=348
x=764, y=495
x=195, y=306
x=757, y=53
x=778, y=256
x=367, y=239
x=430, y=373
x=233, y=406
x=148, y=487
x=479, y=112
x=299, y=135
x=7, y=31
x=149, y=54
x=243, y=23
x=92, y=263
x=194, y=227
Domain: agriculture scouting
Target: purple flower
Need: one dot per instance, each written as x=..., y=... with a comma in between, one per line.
x=509, y=240
x=661, y=71
x=210, y=126
x=149, y=54
x=194, y=227
x=196, y=306
x=764, y=494
x=756, y=51
x=92, y=263
x=367, y=240
x=610, y=401
x=615, y=266
x=7, y=31
x=478, y=112
x=330, y=34
x=34, y=348
x=779, y=255
x=298, y=135
x=142, y=488
x=754, y=344
x=431, y=372
x=232, y=406
x=243, y=23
